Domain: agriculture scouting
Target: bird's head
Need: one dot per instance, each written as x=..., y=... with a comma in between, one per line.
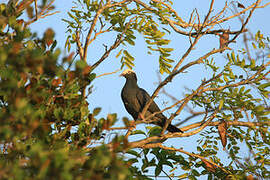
x=129, y=74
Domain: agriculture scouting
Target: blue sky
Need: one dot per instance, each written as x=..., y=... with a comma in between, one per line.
x=107, y=89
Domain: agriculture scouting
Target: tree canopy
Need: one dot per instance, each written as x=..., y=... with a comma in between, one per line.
x=48, y=131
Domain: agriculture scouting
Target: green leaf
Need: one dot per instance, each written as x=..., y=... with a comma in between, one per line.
x=233, y=57
x=53, y=45
x=225, y=78
x=167, y=60
x=158, y=170
x=128, y=62
x=2, y=7
x=168, y=49
x=259, y=108
x=195, y=172
x=67, y=44
x=141, y=22
x=168, y=31
x=263, y=86
x=155, y=131
x=191, y=177
x=84, y=111
x=58, y=113
x=81, y=64
x=12, y=21
x=221, y=103
x=134, y=153
x=241, y=89
x=254, y=46
x=252, y=63
x=119, y=53
x=96, y=111
x=112, y=118
x=137, y=132
x=132, y=161
x=92, y=76
x=130, y=41
x=229, y=57
x=126, y=121
x=168, y=163
x=71, y=15
x=128, y=55
x=183, y=176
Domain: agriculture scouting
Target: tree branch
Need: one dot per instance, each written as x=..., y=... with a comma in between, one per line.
x=87, y=43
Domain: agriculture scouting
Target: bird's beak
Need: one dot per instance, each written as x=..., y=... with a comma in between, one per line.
x=121, y=75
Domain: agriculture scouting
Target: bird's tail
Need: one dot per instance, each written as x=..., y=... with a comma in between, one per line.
x=173, y=129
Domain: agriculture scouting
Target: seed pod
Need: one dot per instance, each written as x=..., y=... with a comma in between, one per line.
x=222, y=131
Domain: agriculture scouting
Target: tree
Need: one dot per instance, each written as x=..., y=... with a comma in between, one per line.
x=48, y=131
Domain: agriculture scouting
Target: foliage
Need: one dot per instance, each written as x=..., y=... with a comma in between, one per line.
x=47, y=130
x=40, y=105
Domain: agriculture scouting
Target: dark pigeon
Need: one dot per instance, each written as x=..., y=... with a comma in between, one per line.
x=135, y=98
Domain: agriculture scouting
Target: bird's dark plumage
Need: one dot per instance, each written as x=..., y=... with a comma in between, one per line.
x=135, y=98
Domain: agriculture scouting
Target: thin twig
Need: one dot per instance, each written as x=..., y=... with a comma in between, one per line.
x=117, y=42
x=86, y=44
x=245, y=23
x=36, y=11
x=42, y=14
x=79, y=44
x=105, y=74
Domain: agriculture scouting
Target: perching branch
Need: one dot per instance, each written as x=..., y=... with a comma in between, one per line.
x=173, y=74
x=155, y=145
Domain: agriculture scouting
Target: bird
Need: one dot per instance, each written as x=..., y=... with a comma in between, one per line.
x=135, y=98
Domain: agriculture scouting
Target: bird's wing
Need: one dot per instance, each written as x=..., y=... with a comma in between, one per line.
x=143, y=97
x=131, y=104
